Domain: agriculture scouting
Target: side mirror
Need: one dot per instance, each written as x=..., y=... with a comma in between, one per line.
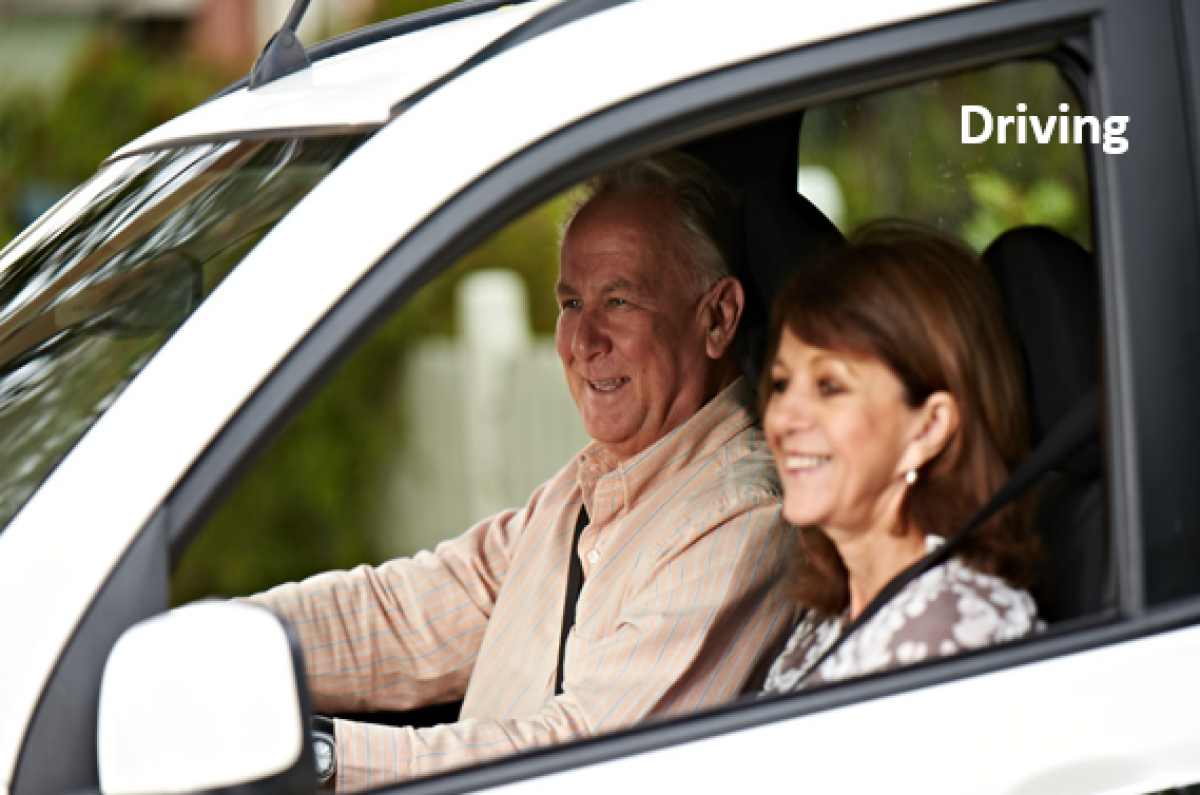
x=206, y=697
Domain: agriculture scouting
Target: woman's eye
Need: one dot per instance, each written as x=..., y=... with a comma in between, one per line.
x=828, y=387
x=779, y=385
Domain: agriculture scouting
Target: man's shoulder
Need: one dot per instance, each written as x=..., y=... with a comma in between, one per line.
x=737, y=476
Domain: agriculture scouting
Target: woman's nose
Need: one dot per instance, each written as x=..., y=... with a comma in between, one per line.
x=793, y=411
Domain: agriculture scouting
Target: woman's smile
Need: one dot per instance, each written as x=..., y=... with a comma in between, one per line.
x=801, y=464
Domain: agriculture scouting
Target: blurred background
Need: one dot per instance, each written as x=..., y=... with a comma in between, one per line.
x=456, y=407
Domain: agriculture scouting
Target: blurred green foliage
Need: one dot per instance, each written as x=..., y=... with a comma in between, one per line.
x=115, y=92
x=899, y=152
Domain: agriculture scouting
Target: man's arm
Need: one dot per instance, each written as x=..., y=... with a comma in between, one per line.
x=688, y=637
x=403, y=634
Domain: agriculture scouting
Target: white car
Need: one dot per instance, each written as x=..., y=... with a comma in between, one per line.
x=161, y=323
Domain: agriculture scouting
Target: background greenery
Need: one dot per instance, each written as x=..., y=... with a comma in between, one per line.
x=313, y=500
x=116, y=91
x=895, y=154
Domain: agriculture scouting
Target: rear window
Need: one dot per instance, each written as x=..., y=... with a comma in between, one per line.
x=84, y=309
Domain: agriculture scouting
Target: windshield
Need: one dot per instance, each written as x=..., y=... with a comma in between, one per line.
x=83, y=310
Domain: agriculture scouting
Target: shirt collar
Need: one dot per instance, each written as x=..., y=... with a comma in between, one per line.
x=718, y=421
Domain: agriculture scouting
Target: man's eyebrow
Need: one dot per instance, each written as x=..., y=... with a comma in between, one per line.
x=622, y=286
x=615, y=286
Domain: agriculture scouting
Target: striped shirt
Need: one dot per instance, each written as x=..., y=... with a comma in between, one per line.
x=683, y=593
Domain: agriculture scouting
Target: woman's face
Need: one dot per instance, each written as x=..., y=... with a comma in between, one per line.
x=842, y=437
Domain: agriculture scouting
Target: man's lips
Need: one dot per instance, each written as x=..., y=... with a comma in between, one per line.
x=606, y=385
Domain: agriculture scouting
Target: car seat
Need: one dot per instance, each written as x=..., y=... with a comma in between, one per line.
x=781, y=231
x=1051, y=288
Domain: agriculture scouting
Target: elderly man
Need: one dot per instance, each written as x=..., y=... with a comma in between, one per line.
x=643, y=580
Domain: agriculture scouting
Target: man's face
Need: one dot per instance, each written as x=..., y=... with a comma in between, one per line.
x=631, y=335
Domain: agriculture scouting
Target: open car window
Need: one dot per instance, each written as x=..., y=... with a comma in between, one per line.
x=456, y=408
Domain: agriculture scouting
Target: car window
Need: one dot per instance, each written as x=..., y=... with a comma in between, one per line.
x=83, y=310
x=456, y=407
x=901, y=153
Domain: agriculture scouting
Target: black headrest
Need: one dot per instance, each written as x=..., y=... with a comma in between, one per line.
x=1051, y=288
x=782, y=230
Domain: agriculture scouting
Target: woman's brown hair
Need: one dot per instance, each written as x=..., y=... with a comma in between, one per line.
x=924, y=305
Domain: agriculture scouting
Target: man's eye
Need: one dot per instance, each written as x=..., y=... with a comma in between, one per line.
x=570, y=303
x=618, y=302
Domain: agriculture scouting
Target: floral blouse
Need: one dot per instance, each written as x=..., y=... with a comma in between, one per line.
x=948, y=609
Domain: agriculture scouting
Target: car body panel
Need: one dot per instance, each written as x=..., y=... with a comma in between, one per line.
x=359, y=89
x=1084, y=724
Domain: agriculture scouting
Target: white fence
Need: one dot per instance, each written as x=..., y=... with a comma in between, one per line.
x=487, y=418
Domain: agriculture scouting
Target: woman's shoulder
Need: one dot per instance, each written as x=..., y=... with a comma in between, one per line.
x=954, y=608
x=949, y=609
x=808, y=641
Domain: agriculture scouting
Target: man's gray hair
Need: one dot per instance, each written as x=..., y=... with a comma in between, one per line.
x=706, y=210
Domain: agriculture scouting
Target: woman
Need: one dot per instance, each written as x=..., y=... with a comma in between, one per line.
x=894, y=408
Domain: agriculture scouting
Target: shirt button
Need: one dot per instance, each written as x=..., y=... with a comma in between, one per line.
x=593, y=556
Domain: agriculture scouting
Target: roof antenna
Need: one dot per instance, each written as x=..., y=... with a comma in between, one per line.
x=284, y=53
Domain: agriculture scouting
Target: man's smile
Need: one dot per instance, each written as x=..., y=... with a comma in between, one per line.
x=607, y=384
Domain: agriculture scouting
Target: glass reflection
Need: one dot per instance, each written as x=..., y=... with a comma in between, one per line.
x=82, y=312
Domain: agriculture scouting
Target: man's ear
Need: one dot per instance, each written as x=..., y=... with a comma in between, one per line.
x=722, y=311
x=934, y=425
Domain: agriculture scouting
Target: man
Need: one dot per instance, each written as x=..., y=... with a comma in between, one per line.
x=673, y=512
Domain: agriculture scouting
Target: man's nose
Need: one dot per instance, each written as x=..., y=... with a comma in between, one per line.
x=590, y=339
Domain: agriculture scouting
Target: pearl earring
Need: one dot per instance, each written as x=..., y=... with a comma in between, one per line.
x=911, y=477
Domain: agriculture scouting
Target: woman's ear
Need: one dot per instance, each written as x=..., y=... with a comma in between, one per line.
x=722, y=310
x=934, y=425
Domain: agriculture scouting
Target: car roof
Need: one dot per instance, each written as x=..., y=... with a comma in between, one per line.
x=358, y=87
x=351, y=91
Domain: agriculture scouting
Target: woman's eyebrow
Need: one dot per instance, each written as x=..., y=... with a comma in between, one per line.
x=834, y=359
